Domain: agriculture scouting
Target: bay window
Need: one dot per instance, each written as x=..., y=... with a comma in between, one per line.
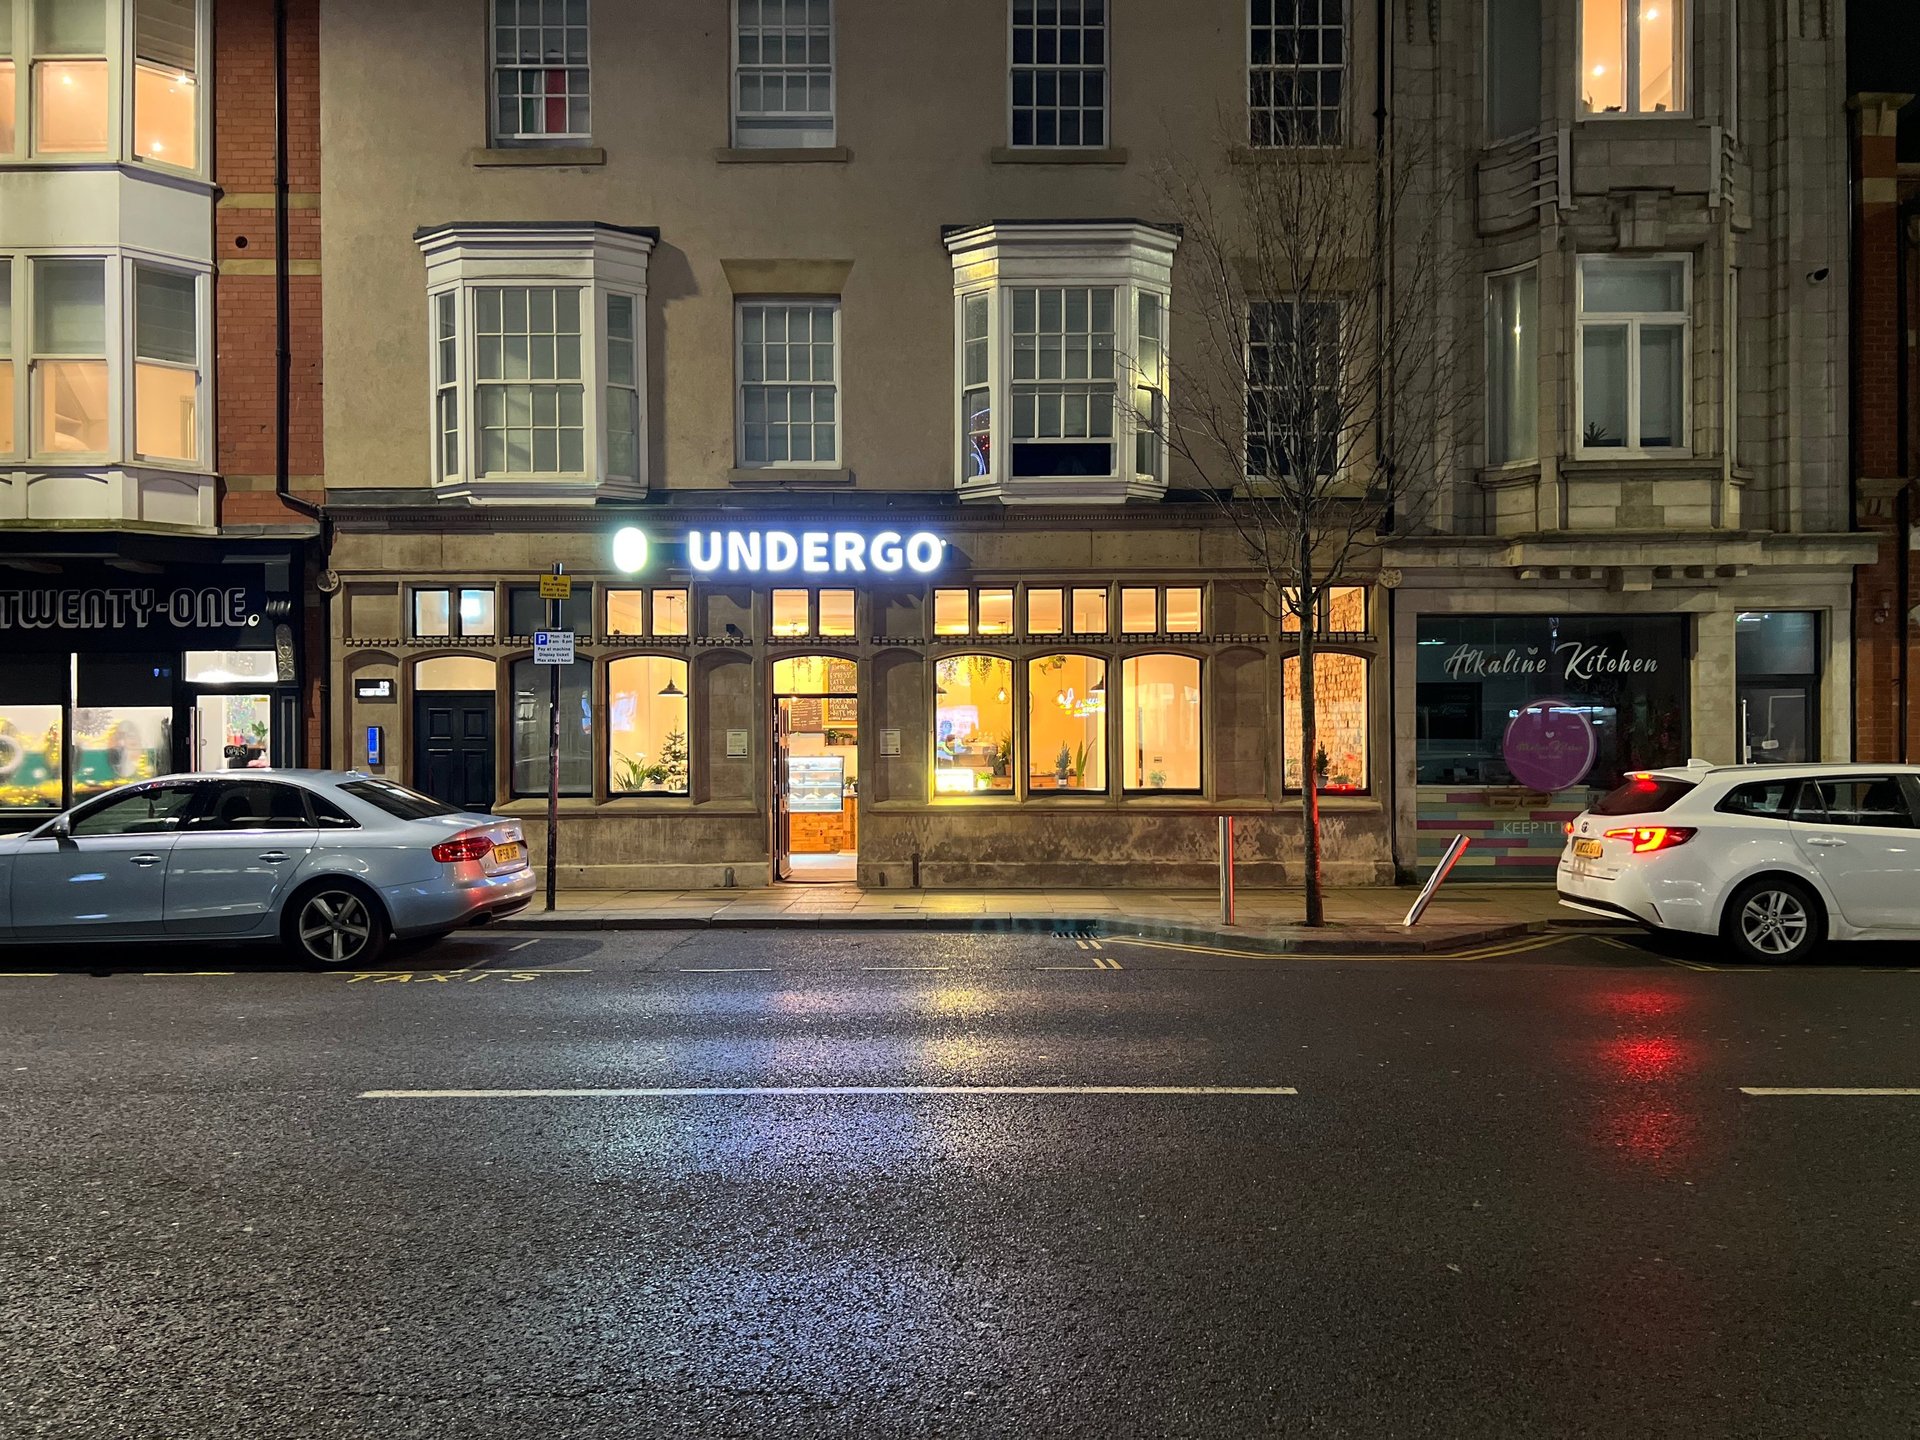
x=165, y=88
x=6, y=356
x=70, y=76
x=1633, y=57
x=1633, y=354
x=973, y=725
x=1160, y=723
x=166, y=376
x=92, y=80
x=647, y=725
x=537, y=359
x=9, y=85
x=70, y=356
x=1060, y=329
x=1340, y=718
x=1067, y=723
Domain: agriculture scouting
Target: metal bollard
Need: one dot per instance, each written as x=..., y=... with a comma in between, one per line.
x=1226, y=870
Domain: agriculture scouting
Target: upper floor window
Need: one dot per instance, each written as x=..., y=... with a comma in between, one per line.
x=1293, y=388
x=7, y=393
x=79, y=77
x=537, y=358
x=783, y=73
x=1059, y=86
x=441, y=611
x=1633, y=57
x=789, y=383
x=540, y=73
x=1063, y=359
x=1513, y=67
x=1632, y=359
x=1297, y=72
x=1513, y=366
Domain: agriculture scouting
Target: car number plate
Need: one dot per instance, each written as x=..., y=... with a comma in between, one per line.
x=1589, y=849
x=506, y=854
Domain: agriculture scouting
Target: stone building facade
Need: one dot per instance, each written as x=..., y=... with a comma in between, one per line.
x=704, y=305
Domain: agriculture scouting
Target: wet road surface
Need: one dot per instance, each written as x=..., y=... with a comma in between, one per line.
x=764, y=1183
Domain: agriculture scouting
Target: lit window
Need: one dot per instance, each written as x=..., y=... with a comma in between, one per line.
x=1296, y=81
x=647, y=726
x=1183, y=611
x=8, y=92
x=976, y=397
x=1060, y=72
x=166, y=377
x=70, y=357
x=6, y=354
x=973, y=725
x=32, y=751
x=69, y=77
x=476, y=612
x=1066, y=723
x=1632, y=354
x=626, y=612
x=1340, y=717
x=996, y=613
x=783, y=73
x=1293, y=388
x=790, y=615
x=441, y=673
x=165, y=92
x=950, y=612
x=1632, y=60
x=1160, y=722
x=789, y=383
x=453, y=612
x=623, y=388
x=836, y=612
x=1343, y=610
x=1138, y=611
x=1513, y=367
x=670, y=614
x=431, y=613
x=532, y=719
x=540, y=71
x=1044, y=612
x=528, y=392
x=1089, y=612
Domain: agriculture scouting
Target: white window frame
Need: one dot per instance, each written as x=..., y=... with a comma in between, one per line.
x=496, y=65
x=119, y=56
x=1630, y=52
x=1036, y=68
x=781, y=130
x=1633, y=320
x=1494, y=280
x=598, y=260
x=202, y=392
x=994, y=260
x=740, y=382
x=1343, y=121
x=14, y=397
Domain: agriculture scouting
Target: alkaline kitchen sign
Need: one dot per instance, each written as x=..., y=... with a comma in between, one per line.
x=1569, y=660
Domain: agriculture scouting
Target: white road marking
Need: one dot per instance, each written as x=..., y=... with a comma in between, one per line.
x=1782, y=1090
x=523, y=944
x=726, y=969
x=906, y=967
x=671, y=1092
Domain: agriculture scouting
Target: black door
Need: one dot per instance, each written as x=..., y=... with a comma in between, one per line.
x=453, y=747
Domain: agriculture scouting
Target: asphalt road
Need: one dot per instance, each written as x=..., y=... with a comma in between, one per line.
x=1521, y=1193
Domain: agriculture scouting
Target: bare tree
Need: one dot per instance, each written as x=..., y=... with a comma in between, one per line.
x=1317, y=381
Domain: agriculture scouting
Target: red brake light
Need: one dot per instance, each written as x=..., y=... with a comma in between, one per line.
x=1648, y=838
x=463, y=847
x=1567, y=828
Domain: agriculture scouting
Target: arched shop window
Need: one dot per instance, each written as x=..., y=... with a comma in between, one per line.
x=453, y=672
x=1340, y=712
x=1067, y=723
x=1160, y=723
x=530, y=722
x=647, y=726
x=973, y=725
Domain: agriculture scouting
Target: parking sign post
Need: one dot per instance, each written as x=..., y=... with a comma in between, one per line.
x=550, y=650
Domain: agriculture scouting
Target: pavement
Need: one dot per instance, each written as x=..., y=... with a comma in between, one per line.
x=824, y=1183
x=1359, y=920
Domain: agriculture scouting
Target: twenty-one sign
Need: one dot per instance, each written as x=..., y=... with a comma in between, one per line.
x=131, y=607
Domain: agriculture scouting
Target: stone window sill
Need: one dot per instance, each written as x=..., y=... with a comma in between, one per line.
x=1056, y=155
x=1646, y=467
x=794, y=155
x=1300, y=155
x=538, y=155
x=784, y=475
x=1524, y=472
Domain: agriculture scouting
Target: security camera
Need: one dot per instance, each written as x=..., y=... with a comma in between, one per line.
x=1818, y=277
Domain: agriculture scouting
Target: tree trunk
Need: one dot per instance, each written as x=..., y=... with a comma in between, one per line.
x=1309, y=753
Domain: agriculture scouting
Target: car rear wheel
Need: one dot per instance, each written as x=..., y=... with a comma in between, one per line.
x=1774, y=920
x=336, y=924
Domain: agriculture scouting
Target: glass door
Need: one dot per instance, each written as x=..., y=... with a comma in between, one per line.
x=232, y=732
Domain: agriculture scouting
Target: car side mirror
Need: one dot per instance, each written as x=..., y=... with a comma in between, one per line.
x=60, y=829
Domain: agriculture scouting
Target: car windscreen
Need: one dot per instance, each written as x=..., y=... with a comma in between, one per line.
x=397, y=800
x=1642, y=795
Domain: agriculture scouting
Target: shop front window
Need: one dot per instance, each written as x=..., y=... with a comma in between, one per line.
x=233, y=732
x=113, y=744
x=950, y=612
x=1776, y=656
x=1044, y=614
x=1090, y=612
x=1067, y=723
x=530, y=728
x=1340, y=717
x=973, y=725
x=32, y=756
x=647, y=726
x=1160, y=723
x=836, y=613
x=790, y=615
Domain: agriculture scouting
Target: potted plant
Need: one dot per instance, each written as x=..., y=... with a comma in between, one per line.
x=673, y=760
x=1062, y=764
x=1321, y=765
x=1080, y=763
x=1157, y=779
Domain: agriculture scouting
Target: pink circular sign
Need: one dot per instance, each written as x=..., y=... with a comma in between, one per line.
x=1549, y=745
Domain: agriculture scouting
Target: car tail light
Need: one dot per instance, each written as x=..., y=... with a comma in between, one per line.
x=1649, y=838
x=1567, y=828
x=463, y=847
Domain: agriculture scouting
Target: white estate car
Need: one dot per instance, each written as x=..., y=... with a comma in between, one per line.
x=1774, y=860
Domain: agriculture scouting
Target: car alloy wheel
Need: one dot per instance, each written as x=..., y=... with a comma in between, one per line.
x=335, y=927
x=1775, y=922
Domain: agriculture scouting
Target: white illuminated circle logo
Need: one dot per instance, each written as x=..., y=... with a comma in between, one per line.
x=629, y=550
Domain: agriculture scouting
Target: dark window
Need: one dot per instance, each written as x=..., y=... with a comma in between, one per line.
x=1642, y=795
x=252, y=805
x=329, y=816
x=527, y=612
x=397, y=800
x=1870, y=800
x=143, y=810
x=1448, y=711
x=1771, y=800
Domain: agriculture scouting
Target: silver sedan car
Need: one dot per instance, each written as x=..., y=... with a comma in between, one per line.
x=331, y=864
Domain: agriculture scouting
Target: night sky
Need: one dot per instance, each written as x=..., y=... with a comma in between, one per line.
x=1883, y=53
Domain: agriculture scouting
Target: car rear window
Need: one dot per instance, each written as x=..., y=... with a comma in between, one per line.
x=1642, y=795
x=397, y=800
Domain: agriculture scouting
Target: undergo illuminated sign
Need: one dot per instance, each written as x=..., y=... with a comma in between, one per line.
x=780, y=552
